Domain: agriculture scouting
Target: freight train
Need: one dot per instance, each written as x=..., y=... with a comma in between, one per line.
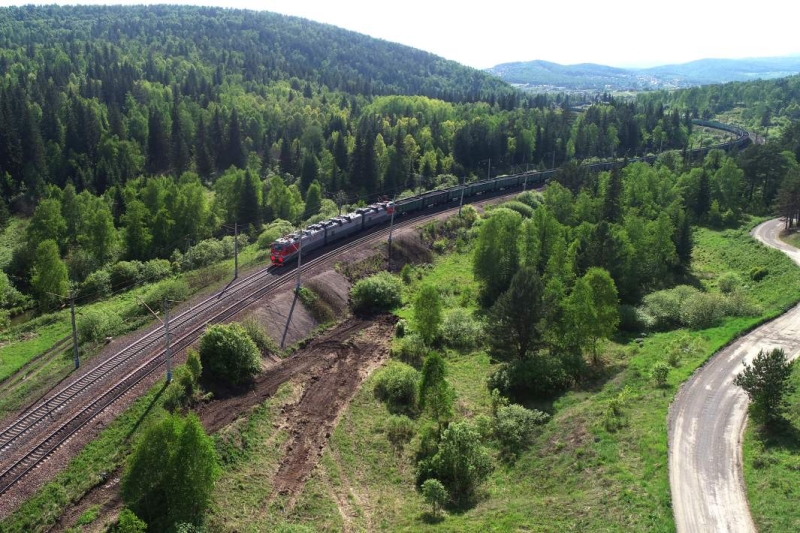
x=315, y=236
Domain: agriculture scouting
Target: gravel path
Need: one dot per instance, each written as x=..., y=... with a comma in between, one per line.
x=707, y=421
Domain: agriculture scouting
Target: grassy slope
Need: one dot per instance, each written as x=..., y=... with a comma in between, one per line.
x=578, y=475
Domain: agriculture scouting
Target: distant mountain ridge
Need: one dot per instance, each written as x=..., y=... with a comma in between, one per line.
x=591, y=76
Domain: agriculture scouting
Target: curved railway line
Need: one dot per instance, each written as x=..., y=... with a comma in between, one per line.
x=37, y=434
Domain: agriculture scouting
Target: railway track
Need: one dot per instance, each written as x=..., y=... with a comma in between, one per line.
x=89, y=389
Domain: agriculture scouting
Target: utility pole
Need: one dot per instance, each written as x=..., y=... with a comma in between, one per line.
x=489, y=170
x=391, y=226
x=525, y=183
x=297, y=288
x=74, y=331
x=166, y=339
x=460, y=202
x=235, y=250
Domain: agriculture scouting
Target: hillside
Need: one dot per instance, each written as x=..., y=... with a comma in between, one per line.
x=591, y=76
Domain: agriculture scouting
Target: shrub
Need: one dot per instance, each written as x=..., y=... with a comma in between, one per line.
x=461, y=462
x=631, y=319
x=126, y=274
x=400, y=328
x=434, y=493
x=757, y=273
x=380, y=292
x=128, y=522
x=227, y=353
x=460, y=330
x=319, y=308
x=541, y=376
x=440, y=246
x=398, y=386
x=514, y=427
x=428, y=313
x=203, y=254
x=259, y=336
x=523, y=209
x=175, y=290
x=410, y=349
x=97, y=285
x=399, y=431
x=729, y=282
x=95, y=325
x=274, y=231
x=660, y=373
x=702, y=310
x=156, y=270
x=531, y=198
x=407, y=273
x=738, y=304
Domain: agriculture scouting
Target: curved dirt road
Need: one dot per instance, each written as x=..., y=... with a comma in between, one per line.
x=707, y=419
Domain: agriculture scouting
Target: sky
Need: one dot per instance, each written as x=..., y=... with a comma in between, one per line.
x=482, y=34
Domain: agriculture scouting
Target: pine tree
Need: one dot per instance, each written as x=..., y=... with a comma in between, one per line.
x=157, y=144
x=236, y=154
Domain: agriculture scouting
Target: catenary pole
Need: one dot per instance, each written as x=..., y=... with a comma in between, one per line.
x=74, y=331
x=166, y=340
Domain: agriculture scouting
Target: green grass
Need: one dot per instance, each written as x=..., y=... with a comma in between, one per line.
x=772, y=469
x=792, y=239
x=10, y=238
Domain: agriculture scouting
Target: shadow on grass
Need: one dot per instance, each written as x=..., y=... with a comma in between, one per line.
x=431, y=518
x=146, y=411
x=780, y=435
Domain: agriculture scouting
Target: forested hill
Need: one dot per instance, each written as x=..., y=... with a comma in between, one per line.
x=161, y=41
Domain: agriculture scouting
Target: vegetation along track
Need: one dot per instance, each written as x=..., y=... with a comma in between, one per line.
x=77, y=407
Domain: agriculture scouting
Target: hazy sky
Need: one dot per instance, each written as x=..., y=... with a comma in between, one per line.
x=612, y=32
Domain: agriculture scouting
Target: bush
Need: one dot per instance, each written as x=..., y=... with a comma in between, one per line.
x=407, y=273
x=523, y=209
x=729, y=282
x=228, y=354
x=399, y=431
x=398, y=386
x=377, y=293
x=175, y=290
x=97, y=285
x=400, y=328
x=541, y=376
x=274, y=231
x=156, y=270
x=259, y=336
x=128, y=522
x=410, y=349
x=95, y=325
x=203, y=254
x=460, y=330
x=758, y=273
x=434, y=493
x=126, y=274
x=738, y=304
x=632, y=319
x=461, y=462
x=514, y=427
x=660, y=373
x=665, y=308
x=531, y=198
x=702, y=310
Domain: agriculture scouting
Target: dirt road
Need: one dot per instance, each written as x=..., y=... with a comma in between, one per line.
x=707, y=419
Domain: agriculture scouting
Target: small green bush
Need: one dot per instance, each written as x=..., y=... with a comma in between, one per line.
x=156, y=270
x=400, y=328
x=729, y=282
x=274, y=231
x=128, y=522
x=259, y=336
x=97, y=285
x=377, y=293
x=398, y=386
x=440, y=246
x=126, y=274
x=95, y=325
x=407, y=273
x=227, y=353
x=702, y=310
x=758, y=273
x=531, y=198
x=399, y=431
x=514, y=427
x=660, y=373
x=460, y=330
x=175, y=290
x=410, y=349
x=541, y=376
x=203, y=254
x=523, y=209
